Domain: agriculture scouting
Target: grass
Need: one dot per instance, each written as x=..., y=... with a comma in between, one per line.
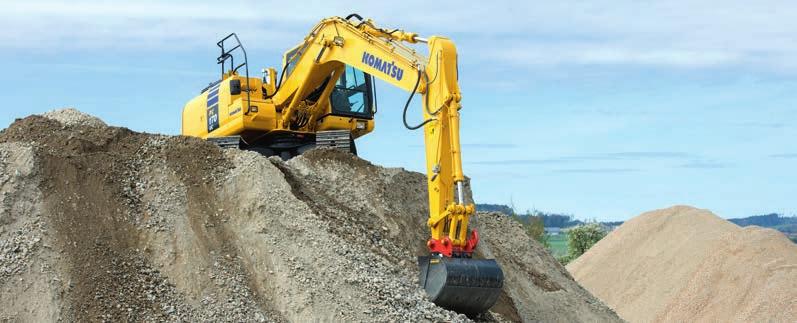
x=558, y=244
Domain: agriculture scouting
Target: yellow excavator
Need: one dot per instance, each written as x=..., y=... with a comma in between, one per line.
x=325, y=97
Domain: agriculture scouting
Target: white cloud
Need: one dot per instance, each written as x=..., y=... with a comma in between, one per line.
x=144, y=9
x=119, y=69
x=612, y=54
x=681, y=34
x=145, y=25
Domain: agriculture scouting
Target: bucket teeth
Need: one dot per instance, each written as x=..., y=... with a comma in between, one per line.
x=464, y=285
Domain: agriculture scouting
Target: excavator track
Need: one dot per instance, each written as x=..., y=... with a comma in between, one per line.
x=226, y=142
x=334, y=139
x=337, y=139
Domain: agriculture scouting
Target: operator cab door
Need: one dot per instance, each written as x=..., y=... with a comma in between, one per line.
x=353, y=95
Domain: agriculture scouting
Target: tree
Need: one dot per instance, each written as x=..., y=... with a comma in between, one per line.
x=495, y=208
x=534, y=226
x=536, y=229
x=581, y=238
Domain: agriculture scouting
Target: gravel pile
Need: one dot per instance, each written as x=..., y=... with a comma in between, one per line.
x=104, y=224
x=20, y=224
x=685, y=264
x=72, y=117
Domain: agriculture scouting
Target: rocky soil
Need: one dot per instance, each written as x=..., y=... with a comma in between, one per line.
x=100, y=223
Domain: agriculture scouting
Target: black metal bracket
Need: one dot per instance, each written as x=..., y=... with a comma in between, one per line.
x=227, y=54
x=354, y=15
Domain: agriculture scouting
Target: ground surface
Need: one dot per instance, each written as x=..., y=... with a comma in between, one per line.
x=684, y=264
x=558, y=244
x=104, y=224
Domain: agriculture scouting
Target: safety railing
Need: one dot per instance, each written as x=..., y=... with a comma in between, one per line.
x=227, y=55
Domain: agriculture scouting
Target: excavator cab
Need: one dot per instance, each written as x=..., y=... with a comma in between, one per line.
x=353, y=94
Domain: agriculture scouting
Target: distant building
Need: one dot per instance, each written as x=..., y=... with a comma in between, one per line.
x=554, y=231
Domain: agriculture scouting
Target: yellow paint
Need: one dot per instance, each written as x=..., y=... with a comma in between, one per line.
x=330, y=46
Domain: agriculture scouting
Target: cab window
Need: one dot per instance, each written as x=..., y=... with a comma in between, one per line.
x=352, y=94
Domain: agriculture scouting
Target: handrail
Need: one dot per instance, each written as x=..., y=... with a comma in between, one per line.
x=227, y=54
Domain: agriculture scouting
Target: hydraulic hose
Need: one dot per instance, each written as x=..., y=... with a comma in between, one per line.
x=363, y=21
x=373, y=88
x=407, y=105
x=354, y=15
x=428, y=85
x=279, y=82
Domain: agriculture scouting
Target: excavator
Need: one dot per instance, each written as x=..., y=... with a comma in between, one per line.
x=325, y=97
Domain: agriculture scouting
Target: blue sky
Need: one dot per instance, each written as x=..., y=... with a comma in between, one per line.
x=601, y=109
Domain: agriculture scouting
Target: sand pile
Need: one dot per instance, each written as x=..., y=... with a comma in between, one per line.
x=104, y=224
x=683, y=264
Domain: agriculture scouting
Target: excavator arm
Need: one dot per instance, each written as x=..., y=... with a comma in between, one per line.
x=337, y=42
x=450, y=276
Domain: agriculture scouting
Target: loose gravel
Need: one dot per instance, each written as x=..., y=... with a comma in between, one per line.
x=99, y=223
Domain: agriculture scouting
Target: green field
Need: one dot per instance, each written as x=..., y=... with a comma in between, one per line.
x=558, y=245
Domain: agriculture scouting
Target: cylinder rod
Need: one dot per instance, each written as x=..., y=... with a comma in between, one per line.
x=460, y=193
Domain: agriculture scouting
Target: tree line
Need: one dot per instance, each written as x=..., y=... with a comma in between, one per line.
x=580, y=235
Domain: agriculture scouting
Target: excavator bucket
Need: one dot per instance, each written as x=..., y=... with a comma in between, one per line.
x=464, y=285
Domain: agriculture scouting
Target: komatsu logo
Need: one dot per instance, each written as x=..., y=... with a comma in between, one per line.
x=389, y=68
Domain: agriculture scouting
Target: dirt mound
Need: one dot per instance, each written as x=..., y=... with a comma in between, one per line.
x=104, y=224
x=684, y=264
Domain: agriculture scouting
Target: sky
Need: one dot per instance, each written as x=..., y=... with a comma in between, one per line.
x=599, y=109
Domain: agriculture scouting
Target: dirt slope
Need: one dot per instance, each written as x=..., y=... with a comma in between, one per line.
x=684, y=264
x=104, y=224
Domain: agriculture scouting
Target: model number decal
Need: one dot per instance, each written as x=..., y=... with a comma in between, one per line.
x=213, y=108
x=213, y=118
x=233, y=112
